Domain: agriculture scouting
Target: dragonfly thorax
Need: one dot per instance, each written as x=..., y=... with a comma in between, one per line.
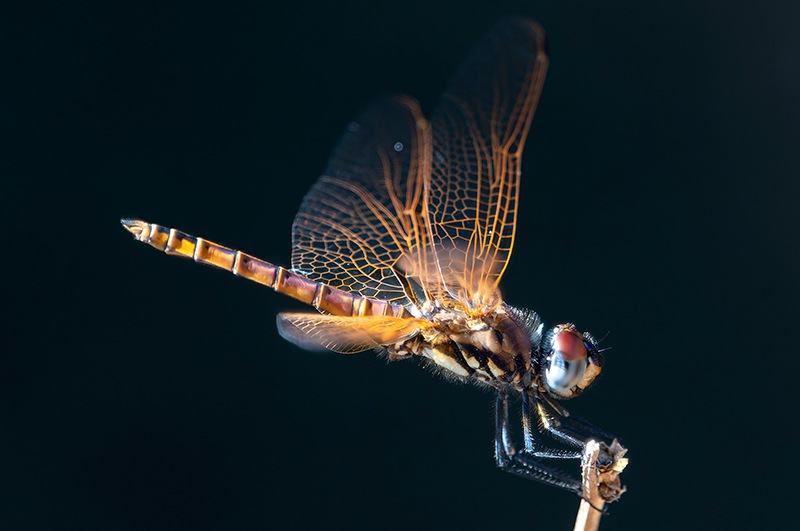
x=495, y=348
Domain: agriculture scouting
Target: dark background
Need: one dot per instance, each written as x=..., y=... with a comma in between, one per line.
x=659, y=211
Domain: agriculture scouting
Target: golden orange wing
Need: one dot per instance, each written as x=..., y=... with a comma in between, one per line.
x=346, y=335
x=362, y=227
x=407, y=210
x=479, y=130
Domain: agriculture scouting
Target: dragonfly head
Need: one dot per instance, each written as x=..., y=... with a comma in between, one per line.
x=570, y=361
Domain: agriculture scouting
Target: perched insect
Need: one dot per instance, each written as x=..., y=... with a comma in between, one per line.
x=402, y=243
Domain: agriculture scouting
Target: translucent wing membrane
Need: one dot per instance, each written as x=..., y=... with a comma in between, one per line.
x=479, y=130
x=346, y=335
x=362, y=227
x=408, y=211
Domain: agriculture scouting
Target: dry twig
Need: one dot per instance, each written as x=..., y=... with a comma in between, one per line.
x=600, y=469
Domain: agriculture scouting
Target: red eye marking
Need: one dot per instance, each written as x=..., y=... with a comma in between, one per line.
x=570, y=344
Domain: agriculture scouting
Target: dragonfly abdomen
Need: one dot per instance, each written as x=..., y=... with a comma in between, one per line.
x=324, y=298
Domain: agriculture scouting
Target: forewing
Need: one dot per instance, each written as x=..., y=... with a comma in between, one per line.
x=479, y=130
x=346, y=335
x=362, y=227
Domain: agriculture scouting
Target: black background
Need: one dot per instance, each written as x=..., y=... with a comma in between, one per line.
x=659, y=211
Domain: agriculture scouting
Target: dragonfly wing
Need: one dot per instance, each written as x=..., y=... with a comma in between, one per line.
x=362, y=228
x=346, y=335
x=479, y=130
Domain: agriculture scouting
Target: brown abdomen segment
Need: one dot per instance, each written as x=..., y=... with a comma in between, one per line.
x=321, y=296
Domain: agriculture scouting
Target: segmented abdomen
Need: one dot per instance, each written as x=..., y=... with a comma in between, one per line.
x=321, y=296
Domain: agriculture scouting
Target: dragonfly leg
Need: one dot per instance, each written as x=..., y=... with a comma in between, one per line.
x=562, y=426
x=537, y=420
x=530, y=465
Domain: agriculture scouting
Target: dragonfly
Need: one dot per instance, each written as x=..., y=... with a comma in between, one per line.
x=401, y=244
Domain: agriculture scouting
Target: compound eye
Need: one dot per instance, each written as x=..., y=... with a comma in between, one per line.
x=566, y=364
